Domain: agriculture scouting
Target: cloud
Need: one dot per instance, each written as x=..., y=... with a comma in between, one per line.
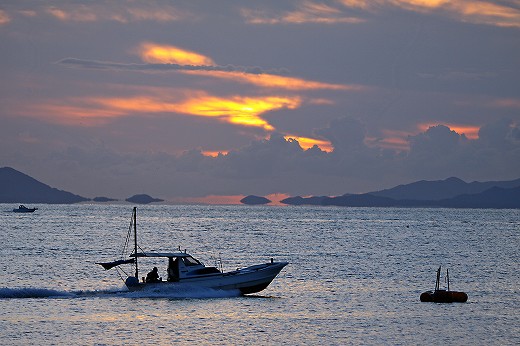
x=101, y=11
x=164, y=58
x=236, y=110
x=277, y=164
x=305, y=12
x=167, y=54
x=500, y=135
x=470, y=131
x=505, y=14
x=345, y=134
x=4, y=17
x=82, y=13
x=115, y=66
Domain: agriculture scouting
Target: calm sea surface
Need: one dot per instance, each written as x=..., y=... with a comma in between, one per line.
x=355, y=276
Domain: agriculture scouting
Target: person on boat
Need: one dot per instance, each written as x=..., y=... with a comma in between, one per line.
x=173, y=269
x=153, y=276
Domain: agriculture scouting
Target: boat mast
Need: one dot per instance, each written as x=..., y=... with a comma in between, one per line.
x=135, y=243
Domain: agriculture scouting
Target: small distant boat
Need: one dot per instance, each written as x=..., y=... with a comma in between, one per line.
x=443, y=296
x=182, y=268
x=23, y=209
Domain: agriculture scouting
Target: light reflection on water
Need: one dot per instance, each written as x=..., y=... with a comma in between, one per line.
x=355, y=276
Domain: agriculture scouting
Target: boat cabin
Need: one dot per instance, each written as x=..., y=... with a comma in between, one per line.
x=181, y=265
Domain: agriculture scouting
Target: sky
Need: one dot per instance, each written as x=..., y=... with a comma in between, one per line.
x=209, y=101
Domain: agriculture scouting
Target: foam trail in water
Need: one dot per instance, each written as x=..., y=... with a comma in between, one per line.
x=33, y=293
x=168, y=291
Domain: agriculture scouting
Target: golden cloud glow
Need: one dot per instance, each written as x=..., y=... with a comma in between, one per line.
x=275, y=81
x=164, y=54
x=307, y=143
x=479, y=12
x=469, y=131
x=237, y=110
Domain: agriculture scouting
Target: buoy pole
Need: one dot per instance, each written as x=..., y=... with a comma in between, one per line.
x=448, y=278
x=437, y=283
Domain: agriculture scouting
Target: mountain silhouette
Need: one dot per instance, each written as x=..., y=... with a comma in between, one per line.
x=448, y=193
x=17, y=187
x=441, y=189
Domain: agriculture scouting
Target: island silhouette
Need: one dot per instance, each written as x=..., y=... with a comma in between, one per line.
x=17, y=187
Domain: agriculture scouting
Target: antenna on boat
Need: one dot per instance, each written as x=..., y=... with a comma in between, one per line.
x=135, y=243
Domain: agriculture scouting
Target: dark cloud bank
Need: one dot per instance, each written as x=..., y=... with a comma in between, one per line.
x=277, y=165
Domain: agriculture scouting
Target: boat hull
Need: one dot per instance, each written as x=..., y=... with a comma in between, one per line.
x=28, y=210
x=247, y=280
x=442, y=296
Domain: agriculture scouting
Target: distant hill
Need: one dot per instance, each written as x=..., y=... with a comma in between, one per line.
x=495, y=197
x=17, y=187
x=143, y=199
x=441, y=189
x=449, y=193
x=254, y=200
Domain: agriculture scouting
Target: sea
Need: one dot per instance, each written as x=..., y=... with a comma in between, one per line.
x=354, y=276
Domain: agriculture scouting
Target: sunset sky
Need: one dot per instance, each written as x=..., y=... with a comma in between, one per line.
x=213, y=100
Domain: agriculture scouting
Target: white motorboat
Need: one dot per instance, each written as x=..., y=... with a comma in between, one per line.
x=185, y=269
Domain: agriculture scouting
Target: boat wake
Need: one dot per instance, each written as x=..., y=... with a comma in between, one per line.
x=6, y=293
x=168, y=292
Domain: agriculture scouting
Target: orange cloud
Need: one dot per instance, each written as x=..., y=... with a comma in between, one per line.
x=307, y=12
x=214, y=153
x=479, y=12
x=79, y=113
x=507, y=103
x=237, y=110
x=469, y=131
x=275, y=81
x=80, y=13
x=307, y=143
x=166, y=54
x=4, y=18
x=393, y=143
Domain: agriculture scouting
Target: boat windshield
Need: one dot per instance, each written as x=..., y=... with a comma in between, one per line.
x=190, y=261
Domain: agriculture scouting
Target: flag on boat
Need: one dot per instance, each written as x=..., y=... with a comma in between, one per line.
x=110, y=265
